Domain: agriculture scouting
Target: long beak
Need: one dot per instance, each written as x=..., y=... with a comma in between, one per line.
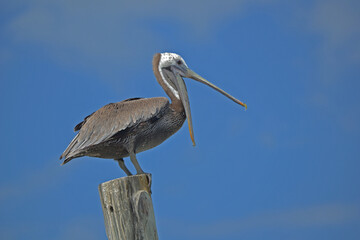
x=197, y=77
x=185, y=101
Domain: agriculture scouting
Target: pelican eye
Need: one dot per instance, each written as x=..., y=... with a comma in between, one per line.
x=179, y=62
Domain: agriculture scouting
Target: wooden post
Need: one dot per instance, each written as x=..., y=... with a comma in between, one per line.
x=128, y=209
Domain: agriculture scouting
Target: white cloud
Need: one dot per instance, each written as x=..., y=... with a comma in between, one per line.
x=298, y=218
x=32, y=183
x=337, y=23
x=83, y=228
x=105, y=35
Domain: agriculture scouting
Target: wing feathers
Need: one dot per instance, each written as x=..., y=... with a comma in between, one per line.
x=112, y=118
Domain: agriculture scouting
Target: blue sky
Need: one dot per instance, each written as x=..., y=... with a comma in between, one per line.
x=287, y=168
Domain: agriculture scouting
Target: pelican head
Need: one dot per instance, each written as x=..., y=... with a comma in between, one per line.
x=173, y=69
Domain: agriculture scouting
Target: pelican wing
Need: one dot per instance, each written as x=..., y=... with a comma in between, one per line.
x=112, y=118
x=79, y=126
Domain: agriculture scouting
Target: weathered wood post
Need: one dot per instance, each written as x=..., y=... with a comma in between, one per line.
x=128, y=209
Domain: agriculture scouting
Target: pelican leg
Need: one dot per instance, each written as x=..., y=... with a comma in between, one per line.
x=123, y=167
x=136, y=164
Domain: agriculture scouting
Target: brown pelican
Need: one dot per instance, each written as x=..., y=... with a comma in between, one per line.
x=126, y=128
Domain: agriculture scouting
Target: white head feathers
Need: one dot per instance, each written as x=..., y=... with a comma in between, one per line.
x=166, y=60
